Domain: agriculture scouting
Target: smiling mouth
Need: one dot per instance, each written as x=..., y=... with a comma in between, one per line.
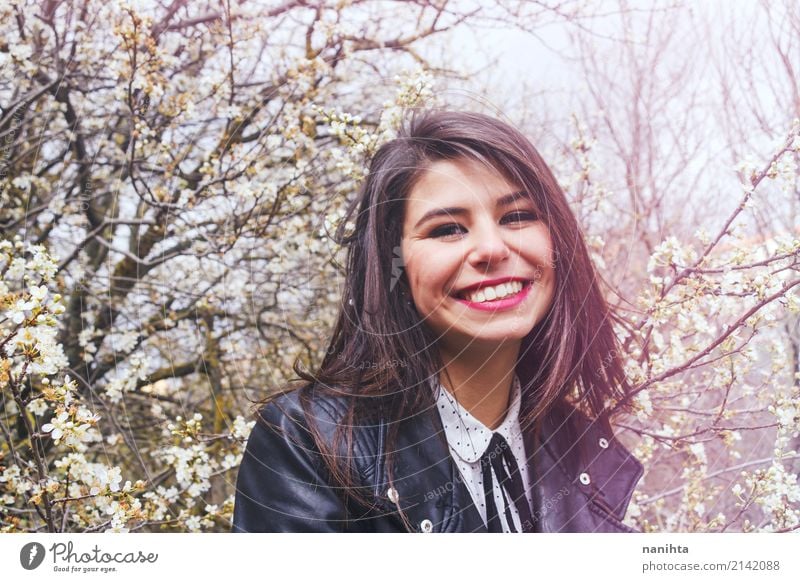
x=494, y=293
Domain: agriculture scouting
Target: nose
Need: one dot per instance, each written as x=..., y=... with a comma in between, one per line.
x=488, y=247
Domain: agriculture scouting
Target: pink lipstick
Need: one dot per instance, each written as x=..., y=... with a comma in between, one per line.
x=503, y=304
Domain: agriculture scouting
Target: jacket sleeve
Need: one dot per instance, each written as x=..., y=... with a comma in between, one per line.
x=282, y=485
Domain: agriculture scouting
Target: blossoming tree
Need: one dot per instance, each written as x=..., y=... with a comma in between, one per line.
x=169, y=177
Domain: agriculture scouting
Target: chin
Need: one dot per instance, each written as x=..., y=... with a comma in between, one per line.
x=488, y=338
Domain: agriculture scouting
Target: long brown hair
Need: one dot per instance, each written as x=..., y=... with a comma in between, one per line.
x=381, y=358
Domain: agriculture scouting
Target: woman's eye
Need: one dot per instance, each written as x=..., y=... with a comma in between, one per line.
x=445, y=230
x=452, y=229
x=521, y=216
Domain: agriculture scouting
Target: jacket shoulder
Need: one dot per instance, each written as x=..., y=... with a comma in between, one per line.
x=298, y=412
x=283, y=483
x=286, y=410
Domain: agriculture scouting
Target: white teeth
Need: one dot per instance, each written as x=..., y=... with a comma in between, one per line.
x=495, y=292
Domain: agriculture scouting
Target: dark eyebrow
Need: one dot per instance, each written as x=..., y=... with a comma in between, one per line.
x=502, y=201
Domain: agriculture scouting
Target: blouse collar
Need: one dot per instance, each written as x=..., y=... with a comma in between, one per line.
x=467, y=436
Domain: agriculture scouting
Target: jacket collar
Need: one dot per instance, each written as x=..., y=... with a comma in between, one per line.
x=431, y=493
x=592, y=460
x=429, y=488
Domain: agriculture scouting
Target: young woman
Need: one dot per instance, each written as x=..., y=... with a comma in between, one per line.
x=468, y=375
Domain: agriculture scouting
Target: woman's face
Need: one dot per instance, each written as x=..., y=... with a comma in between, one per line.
x=487, y=240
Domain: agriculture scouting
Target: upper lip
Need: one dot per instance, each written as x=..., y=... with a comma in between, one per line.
x=491, y=283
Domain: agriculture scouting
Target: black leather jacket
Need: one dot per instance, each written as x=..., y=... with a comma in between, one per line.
x=583, y=478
